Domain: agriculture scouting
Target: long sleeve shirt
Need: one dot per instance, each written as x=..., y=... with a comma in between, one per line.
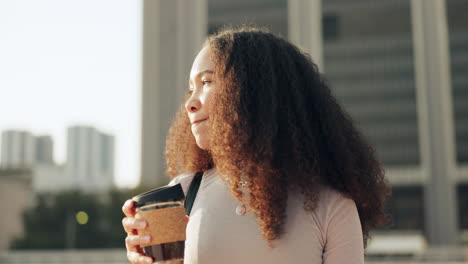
x=218, y=232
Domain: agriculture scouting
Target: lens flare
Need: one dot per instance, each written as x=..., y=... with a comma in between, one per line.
x=82, y=218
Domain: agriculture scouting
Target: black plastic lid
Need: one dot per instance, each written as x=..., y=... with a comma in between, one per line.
x=162, y=194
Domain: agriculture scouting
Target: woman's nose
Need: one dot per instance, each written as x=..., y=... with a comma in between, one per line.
x=192, y=105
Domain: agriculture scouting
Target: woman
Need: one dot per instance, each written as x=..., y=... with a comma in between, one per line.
x=287, y=176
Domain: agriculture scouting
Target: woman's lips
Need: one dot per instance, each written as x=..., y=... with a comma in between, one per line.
x=199, y=121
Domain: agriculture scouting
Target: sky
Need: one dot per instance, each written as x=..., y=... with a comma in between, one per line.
x=65, y=63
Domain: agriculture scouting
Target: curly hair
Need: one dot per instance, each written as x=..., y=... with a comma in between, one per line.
x=276, y=122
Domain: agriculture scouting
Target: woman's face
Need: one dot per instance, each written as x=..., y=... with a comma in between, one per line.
x=201, y=86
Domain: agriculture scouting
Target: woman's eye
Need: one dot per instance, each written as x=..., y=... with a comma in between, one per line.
x=205, y=82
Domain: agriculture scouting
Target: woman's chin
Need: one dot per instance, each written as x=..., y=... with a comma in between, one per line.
x=202, y=144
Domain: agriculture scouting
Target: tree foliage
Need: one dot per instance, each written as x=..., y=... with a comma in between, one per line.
x=51, y=222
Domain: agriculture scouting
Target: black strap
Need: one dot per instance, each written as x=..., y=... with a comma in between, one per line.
x=192, y=192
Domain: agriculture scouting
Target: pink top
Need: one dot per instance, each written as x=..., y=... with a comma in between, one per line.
x=219, y=231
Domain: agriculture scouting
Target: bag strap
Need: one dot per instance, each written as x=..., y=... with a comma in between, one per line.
x=192, y=192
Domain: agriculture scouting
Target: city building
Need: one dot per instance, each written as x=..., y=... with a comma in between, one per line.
x=90, y=163
x=18, y=149
x=44, y=150
x=90, y=159
x=21, y=149
x=16, y=195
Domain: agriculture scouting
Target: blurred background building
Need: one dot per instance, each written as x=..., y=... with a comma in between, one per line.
x=44, y=150
x=397, y=66
x=90, y=159
x=89, y=165
x=16, y=195
x=18, y=149
x=22, y=149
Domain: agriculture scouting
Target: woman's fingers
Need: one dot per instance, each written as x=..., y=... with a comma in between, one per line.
x=131, y=224
x=137, y=258
x=132, y=241
x=129, y=208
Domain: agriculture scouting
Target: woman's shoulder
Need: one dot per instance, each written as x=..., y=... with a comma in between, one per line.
x=330, y=205
x=331, y=198
x=333, y=205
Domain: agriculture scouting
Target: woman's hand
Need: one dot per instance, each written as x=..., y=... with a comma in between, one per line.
x=133, y=240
